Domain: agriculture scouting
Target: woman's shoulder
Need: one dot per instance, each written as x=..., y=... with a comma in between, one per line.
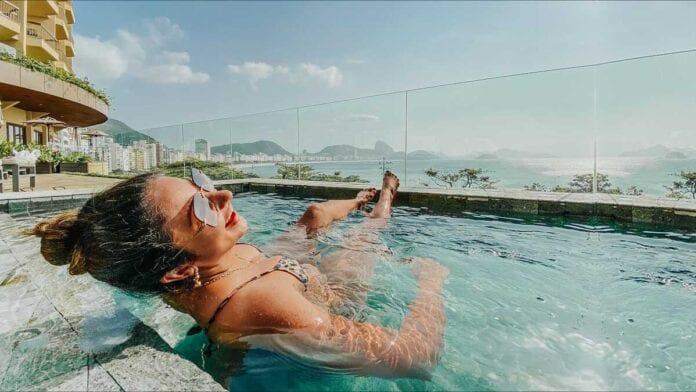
x=247, y=251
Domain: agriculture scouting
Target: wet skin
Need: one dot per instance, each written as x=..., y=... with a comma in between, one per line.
x=274, y=311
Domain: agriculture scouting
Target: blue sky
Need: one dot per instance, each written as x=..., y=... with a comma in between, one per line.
x=171, y=62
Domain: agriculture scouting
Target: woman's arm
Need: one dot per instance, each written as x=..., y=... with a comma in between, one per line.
x=312, y=333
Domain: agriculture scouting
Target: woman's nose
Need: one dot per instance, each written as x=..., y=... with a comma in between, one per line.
x=220, y=198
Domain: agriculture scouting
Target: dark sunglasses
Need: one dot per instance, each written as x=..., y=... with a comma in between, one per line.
x=201, y=205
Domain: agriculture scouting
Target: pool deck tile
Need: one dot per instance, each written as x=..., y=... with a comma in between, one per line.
x=50, y=330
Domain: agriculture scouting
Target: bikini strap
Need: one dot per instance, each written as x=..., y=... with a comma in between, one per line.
x=285, y=264
x=229, y=297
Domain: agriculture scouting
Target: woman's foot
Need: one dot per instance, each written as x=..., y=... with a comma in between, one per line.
x=365, y=196
x=390, y=183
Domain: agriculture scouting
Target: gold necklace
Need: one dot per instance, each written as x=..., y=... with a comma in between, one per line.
x=224, y=274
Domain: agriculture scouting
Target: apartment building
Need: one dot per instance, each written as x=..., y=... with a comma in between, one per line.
x=41, y=30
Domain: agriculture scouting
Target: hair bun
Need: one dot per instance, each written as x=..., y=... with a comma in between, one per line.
x=58, y=241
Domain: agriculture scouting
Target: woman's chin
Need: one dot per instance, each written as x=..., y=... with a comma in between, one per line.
x=239, y=228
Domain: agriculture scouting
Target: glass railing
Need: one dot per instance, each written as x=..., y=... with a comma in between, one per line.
x=354, y=140
x=646, y=134
x=623, y=127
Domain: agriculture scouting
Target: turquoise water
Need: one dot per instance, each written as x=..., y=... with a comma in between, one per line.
x=649, y=174
x=529, y=306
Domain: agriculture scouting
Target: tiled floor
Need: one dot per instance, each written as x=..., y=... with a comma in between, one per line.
x=64, y=332
x=47, y=182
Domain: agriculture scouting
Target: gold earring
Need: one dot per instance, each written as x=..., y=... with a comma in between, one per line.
x=197, y=280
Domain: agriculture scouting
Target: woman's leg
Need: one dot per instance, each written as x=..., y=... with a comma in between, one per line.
x=299, y=242
x=349, y=269
x=322, y=214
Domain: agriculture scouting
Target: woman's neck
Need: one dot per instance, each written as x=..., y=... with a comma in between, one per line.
x=211, y=267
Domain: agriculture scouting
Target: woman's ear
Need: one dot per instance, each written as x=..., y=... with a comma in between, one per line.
x=179, y=273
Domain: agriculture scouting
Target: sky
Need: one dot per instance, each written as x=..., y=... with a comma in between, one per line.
x=173, y=62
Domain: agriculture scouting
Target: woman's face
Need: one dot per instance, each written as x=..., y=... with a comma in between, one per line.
x=174, y=198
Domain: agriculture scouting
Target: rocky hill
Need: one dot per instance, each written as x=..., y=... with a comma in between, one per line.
x=122, y=133
x=261, y=146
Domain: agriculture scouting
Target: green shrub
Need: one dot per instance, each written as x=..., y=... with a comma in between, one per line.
x=306, y=172
x=76, y=157
x=214, y=170
x=58, y=73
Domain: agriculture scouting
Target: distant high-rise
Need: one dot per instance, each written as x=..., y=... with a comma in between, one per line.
x=202, y=149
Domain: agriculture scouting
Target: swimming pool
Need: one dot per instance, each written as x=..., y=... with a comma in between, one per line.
x=529, y=306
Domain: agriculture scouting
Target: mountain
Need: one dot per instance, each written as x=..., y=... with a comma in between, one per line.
x=506, y=153
x=122, y=133
x=382, y=148
x=346, y=151
x=424, y=155
x=652, y=151
x=261, y=146
x=675, y=155
x=660, y=151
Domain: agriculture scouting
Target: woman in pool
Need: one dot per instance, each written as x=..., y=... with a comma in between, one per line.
x=181, y=239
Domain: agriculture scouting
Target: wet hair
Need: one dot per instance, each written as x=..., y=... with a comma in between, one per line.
x=118, y=237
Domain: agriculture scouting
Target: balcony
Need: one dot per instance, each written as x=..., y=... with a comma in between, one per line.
x=9, y=21
x=66, y=46
x=69, y=14
x=62, y=31
x=39, y=92
x=41, y=44
x=42, y=8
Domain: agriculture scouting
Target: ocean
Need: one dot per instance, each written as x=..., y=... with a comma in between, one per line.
x=651, y=175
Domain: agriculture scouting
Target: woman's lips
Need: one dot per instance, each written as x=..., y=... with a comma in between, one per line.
x=232, y=219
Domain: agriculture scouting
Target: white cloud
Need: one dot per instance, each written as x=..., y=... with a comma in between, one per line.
x=257, y=71
x=332, y=76
x=138, y=53
x=161, y=30
x=99, y=60
x=174, y=74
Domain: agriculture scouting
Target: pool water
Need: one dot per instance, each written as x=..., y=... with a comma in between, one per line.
x=529, y=305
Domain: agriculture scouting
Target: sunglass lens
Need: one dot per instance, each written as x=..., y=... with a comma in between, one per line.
x=202, y=210
x=201, y=180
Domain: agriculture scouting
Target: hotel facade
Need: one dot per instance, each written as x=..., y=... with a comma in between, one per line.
x=41, y=30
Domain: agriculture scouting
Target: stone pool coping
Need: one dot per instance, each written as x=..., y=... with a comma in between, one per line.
x=58, y=330
x=664, y=212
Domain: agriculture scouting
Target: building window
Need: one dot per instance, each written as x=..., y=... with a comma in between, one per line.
x=16, y=133
x=38, y=137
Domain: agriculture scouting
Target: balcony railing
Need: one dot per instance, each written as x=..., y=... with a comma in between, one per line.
x=39, y=31
x=8, y=10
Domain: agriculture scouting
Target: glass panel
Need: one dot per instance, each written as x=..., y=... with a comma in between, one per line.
x=647, y=132
x=150, y=148
x=354, y=140
x=261, y=144
x=523, y=132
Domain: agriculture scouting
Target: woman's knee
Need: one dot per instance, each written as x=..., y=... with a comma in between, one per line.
x=315, y=213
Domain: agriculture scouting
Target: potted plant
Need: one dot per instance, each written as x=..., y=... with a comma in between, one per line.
x=75, y=162
x=6, y=149
x=47, y=161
